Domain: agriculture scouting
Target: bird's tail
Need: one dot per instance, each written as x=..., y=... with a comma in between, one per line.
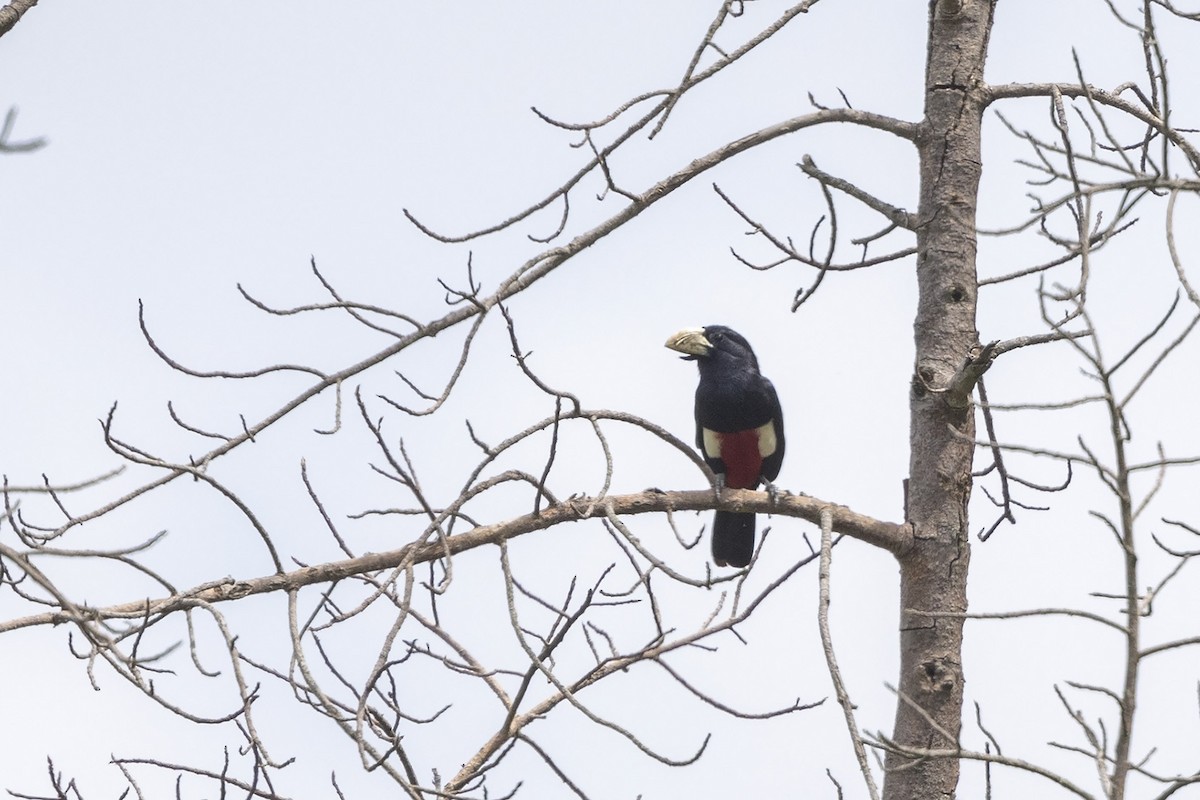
x=732, y=538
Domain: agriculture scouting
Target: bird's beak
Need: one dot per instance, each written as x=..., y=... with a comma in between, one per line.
x=691, y=341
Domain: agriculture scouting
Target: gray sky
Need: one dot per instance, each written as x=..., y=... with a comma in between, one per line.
x=193, y=147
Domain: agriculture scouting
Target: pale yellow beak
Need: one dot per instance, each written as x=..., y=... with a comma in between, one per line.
x=691, y=341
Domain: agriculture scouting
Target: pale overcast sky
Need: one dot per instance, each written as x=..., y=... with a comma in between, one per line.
x=193, y=147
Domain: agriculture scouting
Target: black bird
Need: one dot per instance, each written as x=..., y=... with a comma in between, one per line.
x=739, y=428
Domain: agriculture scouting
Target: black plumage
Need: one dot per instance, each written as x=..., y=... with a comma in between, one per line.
x=739, y=428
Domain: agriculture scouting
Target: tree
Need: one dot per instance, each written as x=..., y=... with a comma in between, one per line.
x=391, y=646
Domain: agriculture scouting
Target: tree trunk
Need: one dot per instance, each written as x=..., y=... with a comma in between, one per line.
x=933, y=575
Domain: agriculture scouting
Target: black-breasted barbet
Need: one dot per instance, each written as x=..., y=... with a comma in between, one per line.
x=739, y=428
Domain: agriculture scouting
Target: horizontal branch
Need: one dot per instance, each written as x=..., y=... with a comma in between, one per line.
x=993, y=758
x=1042, y=338
x=980, y=359
x=890, y=536
x=1165, y=646
x=1102, y=97
x=528, y=273
x=1036, y=612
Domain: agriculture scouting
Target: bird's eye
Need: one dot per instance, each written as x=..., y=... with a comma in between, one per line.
x=716, y=337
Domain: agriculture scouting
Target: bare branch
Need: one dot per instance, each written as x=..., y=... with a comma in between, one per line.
x=835, y=673
x=1111, y=100
x=890, y=536
x=8, y=18
x=897, y=216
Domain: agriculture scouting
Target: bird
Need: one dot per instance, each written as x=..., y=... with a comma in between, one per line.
x=739, y=428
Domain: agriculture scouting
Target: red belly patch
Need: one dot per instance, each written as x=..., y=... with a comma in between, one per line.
x=743, y=461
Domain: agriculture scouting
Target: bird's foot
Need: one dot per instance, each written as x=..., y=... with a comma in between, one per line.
x=773, y=492
x=719, y=486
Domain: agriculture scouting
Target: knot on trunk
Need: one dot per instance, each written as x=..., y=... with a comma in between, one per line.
x=939, y=676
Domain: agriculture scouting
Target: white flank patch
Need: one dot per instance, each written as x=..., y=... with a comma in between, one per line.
x=766, y=439
x=712, y=444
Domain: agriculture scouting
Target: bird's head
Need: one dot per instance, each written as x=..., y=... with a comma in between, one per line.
x=715, y=342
